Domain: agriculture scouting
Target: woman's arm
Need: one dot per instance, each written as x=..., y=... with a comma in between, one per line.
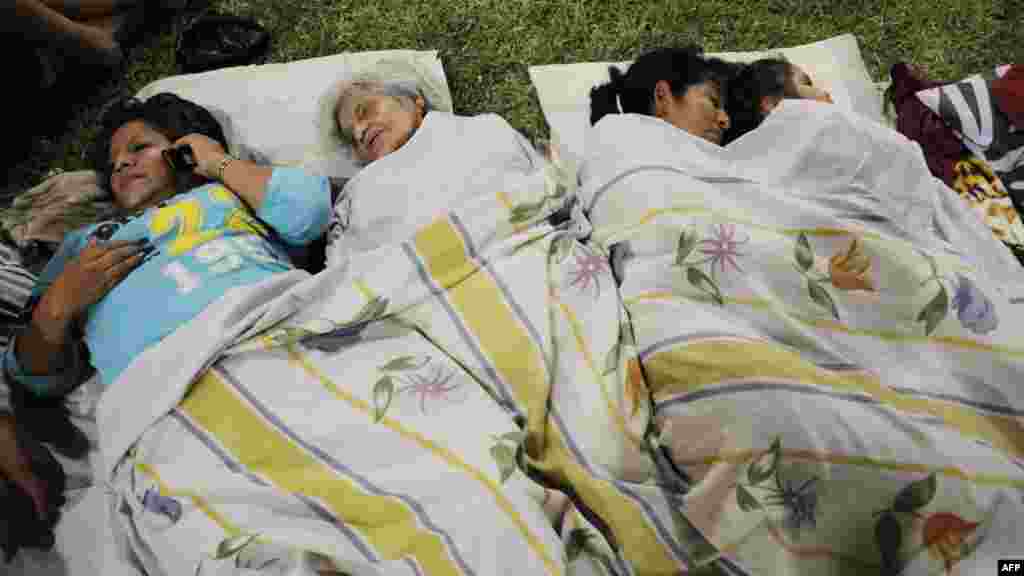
x=43, y=347
x=246, y=179
x=44, y=358
x=295, y=204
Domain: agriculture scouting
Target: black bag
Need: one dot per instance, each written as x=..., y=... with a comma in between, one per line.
x=218, y=41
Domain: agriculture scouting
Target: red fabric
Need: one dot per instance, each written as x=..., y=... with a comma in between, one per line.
x=942, y=149
x=1008, y=92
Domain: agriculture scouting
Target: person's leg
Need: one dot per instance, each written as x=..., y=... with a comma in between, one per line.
x=35, y=17
x=105, y=23
x=88, y=9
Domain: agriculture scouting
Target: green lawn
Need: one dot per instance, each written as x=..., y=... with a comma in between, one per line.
x=486, y=45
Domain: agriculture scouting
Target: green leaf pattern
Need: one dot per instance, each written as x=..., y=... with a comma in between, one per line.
x=756, y=473
x=687, y=242
x=526, y=211
x=577, y=543
x=561, y=247
x=746, y=500
x=403, y=363
x=611, y=361
x=701, y=281
x=916, y=495
x=798, y=499
x=373, y=310
x=803, y=253
x=935, y=311
x=505, y=457
x=231, y=546
x=888, y=529
x=383, y=393
x=504, y=452
x=822, y=298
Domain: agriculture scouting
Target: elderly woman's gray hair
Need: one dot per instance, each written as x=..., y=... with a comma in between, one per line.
x=401, y=79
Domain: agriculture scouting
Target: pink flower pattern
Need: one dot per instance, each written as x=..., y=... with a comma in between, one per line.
x=439, y=385
x=722, y=248
x=589, y=268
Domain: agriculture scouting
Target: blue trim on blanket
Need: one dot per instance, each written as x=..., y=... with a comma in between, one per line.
x=817, y=391
x=340, y=468
x=237, y=468
x=661, y=168
x=727, y=389
x=664, y=533
x=683, y=338
x=517, y=310
x=980, y=406
x=474, y=347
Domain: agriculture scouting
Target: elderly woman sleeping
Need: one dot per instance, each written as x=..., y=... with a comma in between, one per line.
x=417, y=157
x=184, y=237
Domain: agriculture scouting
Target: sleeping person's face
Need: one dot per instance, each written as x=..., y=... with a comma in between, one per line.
x=698, y=110
x=140, y=177
x=800, y=86
x=378, y=124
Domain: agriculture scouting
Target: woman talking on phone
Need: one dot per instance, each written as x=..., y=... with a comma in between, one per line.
x=194, y=222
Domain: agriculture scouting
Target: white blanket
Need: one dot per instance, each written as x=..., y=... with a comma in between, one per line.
x=806, y=360
x=447, y=160
x=829, y=338
x=384, y=447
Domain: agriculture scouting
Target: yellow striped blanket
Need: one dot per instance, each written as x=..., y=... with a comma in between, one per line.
x=835, y=356
x=409, y=412
x=784, y=383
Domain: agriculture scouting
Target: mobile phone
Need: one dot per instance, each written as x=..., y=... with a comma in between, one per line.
x=181, y=158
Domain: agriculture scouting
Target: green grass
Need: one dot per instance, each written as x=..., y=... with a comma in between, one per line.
x=487, y=45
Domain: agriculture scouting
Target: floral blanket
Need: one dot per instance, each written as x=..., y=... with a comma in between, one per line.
x=456, y=403
x=838, y=380
x=741, y=361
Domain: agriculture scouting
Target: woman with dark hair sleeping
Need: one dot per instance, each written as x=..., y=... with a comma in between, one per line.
x=678, y=85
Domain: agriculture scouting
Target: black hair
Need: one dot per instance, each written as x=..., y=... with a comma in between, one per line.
x=634, y=90
x=175, y=118
x=172, y=116
x=768, y=77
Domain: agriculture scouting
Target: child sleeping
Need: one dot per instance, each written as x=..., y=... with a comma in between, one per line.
x=759, y=87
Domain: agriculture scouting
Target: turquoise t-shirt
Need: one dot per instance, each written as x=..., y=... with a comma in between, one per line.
x=206, y=243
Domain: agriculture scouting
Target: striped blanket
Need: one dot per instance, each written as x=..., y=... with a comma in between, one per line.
x=409, y=412
x=832, y=345
x=727, y=369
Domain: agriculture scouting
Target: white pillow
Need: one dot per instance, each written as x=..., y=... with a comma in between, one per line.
x=271, y=111
x=834, y=64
